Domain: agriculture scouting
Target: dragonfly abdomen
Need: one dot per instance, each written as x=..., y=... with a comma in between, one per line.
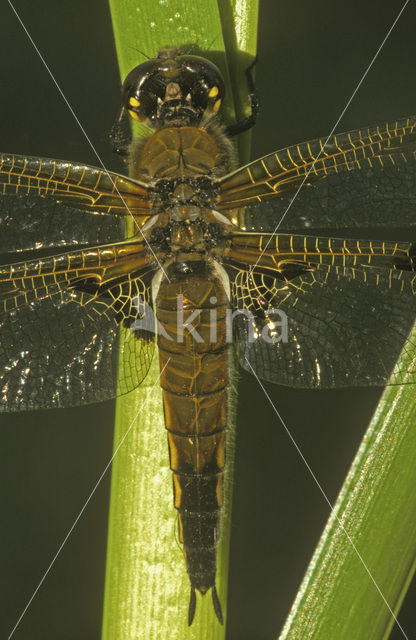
x=192, y=312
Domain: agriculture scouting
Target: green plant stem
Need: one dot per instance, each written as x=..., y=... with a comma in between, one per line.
x=147, y=587
x=366, y=557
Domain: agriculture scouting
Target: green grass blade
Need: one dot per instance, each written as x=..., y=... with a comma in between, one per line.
x=374, y=522
x=239, y=22
x=147, y=588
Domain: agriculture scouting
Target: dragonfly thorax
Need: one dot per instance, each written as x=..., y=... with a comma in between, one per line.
x=202, y=235
x=188, y=237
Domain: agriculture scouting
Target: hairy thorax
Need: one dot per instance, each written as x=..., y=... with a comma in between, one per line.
x=181, y=163
x=182, y=152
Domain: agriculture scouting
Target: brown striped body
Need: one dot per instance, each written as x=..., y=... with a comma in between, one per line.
x=193, y=359
x=194, y=381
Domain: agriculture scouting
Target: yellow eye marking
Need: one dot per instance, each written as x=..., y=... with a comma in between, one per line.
x=135, y=116
x=133, y=102
x=213, y=92
x=216, y=106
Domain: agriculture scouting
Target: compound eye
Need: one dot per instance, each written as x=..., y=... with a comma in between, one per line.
x=138, y=95
x=214, y=99
x=132, y=108
x=207, y=94
x=142, y=105
x=202, y=83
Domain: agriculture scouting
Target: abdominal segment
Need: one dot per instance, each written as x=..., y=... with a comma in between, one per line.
x=193, y=361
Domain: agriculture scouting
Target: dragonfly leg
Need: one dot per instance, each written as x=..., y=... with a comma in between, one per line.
x=250, y=120
x=120, y=141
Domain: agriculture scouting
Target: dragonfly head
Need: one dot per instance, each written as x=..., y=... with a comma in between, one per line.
x=173, y=89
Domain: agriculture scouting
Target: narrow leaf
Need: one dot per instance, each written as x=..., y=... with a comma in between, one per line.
x=147, y=587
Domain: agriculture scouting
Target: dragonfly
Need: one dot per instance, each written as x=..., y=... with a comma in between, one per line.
x=226, y=247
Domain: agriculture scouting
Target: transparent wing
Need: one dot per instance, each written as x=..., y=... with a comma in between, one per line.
x=33, y=223
x=57, y=203
x=68, y=326
x=364, y=178
x=321, y=312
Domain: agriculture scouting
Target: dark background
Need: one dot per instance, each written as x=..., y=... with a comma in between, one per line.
x=312, y=55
